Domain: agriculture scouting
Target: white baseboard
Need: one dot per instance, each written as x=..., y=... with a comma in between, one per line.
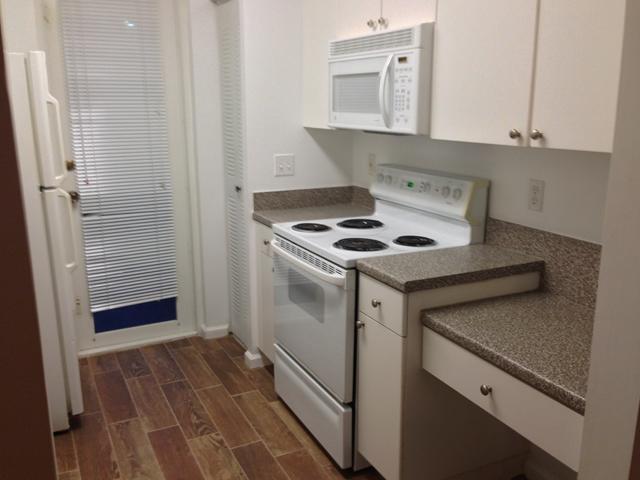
x=135, y=344
x=253, y=360
x=214, y=332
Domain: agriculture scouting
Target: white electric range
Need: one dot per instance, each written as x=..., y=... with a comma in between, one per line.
x=315, y=286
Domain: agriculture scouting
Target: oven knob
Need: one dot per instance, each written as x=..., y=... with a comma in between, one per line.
x=446, y=191
x=457, y=194
x=387, y=179
x=380, y=178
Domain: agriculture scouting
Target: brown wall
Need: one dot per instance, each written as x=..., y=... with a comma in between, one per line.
x=26, y=450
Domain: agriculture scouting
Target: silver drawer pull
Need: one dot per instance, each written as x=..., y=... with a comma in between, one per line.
x=360, y=324
x=375, y=303
x=485, y=390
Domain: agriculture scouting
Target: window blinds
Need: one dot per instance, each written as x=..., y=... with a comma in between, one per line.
x=119, y=133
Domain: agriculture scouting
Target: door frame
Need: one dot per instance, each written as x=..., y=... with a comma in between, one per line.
x=175, y=19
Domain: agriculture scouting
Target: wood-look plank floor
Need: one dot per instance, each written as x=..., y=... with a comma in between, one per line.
x=188, y=409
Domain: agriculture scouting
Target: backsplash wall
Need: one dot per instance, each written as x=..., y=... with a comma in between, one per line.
x=575, y=189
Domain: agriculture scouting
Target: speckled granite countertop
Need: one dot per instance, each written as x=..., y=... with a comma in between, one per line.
x=269, y=217
x=540, y=338
x=412, y=272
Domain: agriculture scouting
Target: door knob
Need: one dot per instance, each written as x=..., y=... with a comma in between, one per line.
x=514, y=133
x=536, y=135
x=360, y=324
x=485, y=390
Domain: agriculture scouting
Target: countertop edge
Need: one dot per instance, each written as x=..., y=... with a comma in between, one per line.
x=453, y=279
x=558, y=393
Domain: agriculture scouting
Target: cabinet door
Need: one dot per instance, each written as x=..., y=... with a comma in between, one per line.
x=352, y=17
x=577, y=73
x=266, y=337
x=380, y=379
x=408, y=13
x=482, y=71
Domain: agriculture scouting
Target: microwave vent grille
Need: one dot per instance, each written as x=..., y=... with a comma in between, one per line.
x=405, y=37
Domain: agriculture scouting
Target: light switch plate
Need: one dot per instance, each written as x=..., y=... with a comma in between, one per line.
x=284, y=164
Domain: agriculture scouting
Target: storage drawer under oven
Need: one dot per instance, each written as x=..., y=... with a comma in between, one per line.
x=328, y=420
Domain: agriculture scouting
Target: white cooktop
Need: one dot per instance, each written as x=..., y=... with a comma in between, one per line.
x=397, y=221
x=450, y=209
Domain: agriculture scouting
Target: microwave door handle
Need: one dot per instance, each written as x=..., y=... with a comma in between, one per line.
x=337, y=280
x=384, y=75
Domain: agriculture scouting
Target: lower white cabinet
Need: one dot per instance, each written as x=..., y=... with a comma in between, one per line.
x=379, y=400
x=264, y=258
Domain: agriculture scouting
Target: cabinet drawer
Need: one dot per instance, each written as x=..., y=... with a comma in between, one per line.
x=537, y=417
x=383, y=303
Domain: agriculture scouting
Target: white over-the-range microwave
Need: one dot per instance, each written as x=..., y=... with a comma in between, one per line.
x=382, y=82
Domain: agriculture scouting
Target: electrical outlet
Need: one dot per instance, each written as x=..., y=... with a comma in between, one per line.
x=536, y=195
x=372, y=164
x=284, y=164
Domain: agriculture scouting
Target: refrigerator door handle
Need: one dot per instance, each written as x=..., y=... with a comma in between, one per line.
x=70, y=263
x=47, y=122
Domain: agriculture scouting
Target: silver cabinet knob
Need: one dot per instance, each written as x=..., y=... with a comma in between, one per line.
x=360, y=324
x=383, y=22
x=536, y=135
x=238, y=188
x=514, y=133
x=266, y=242
x=371, y=23
x=375, y=303
x=485, y=390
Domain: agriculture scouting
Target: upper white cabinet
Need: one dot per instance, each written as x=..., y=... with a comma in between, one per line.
x=483, y=62
x=577, y=73
x=541, y=73
x=327, y=20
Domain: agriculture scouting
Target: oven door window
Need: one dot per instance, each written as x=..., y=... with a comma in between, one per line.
x=314, y=323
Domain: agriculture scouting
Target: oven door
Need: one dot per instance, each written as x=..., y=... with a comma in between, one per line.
x=315, y=316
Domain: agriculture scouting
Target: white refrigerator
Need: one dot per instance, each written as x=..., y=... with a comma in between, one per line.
x=50, y=225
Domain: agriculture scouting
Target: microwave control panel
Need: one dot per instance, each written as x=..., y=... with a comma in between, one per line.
x=404, y=88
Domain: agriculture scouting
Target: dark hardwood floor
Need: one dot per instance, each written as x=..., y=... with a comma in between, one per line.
x=187, y=410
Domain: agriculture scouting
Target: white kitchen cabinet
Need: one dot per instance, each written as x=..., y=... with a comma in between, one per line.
x=379, y=399
x=408, y=13
x=410, y=425
x=483, y=62
x=541, y=73
x=265, y=312
x=577, y=74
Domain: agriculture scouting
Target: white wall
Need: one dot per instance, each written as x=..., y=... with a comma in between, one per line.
x=272, y=34
x=614, y=379
x=19, y=31
x=208, y=137
x=576, y=182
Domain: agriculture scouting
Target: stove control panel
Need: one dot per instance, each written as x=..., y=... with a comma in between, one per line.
x=456, y=196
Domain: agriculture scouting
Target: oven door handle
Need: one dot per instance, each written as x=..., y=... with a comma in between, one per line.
x=337, y=280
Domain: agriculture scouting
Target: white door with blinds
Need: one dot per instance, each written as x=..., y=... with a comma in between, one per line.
x=121, y=59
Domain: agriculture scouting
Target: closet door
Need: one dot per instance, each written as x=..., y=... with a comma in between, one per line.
x=234, y=168
x=482, y=71
x=577, y=73
x=408, y=13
